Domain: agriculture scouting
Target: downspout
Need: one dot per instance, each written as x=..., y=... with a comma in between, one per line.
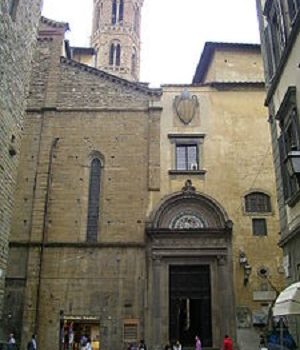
x=44, y=233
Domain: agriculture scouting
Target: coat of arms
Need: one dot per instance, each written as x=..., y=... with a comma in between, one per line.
x=185, y=106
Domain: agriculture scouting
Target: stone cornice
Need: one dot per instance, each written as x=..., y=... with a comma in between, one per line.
x=288, y=237
x=54, y=24
x=175, y=233
x=81, y=245
x=92, y=109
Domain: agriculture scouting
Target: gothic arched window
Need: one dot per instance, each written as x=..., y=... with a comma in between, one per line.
x=114, y=12
x=121, y=11
x=94, y=200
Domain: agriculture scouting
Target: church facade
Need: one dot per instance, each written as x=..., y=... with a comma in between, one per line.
x=142, y=213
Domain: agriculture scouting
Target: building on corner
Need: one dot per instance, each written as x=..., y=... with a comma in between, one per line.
x=279, y=23
x=18, y=31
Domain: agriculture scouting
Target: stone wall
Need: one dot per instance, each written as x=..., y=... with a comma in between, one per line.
x=18, y=37
x=85, y=111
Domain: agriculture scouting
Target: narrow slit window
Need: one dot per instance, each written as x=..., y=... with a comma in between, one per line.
x=118, y=55
x=94, y=201
x=121, y=11
x=114, y=12
x=111, y=54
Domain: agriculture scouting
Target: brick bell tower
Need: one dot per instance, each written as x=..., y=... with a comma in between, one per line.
x=116, y=37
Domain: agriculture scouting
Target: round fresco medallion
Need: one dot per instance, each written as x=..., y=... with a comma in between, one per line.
x=187, y=221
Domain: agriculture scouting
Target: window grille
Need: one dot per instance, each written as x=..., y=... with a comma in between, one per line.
x=259, y=227
x=257, y=202
x=130, y=332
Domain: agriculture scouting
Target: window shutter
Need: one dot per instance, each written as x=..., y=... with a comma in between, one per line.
x=292, y=9
x=284, y=173
x=268, y=46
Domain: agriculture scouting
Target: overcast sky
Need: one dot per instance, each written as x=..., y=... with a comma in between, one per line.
x=173, y=31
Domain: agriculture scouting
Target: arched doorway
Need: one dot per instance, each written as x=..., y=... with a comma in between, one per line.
x=190, y=262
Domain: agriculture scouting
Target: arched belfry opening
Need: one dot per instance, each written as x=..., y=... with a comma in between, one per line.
x=189, y=245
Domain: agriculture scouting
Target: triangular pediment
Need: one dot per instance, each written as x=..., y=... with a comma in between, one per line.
x=91, y=87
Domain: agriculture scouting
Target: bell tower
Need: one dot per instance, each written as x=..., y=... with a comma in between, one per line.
x=116, y=37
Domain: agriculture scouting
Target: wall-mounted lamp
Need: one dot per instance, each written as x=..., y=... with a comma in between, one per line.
x=293, y=163
x=243, y=260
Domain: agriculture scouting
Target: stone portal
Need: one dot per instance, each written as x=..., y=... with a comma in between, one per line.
x=190, y=304
x=189, y=263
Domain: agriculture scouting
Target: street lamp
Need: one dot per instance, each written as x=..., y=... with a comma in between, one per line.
x=293, y=163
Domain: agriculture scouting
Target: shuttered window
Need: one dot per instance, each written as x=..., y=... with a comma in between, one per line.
x=293, y=7
x=289, y=140
x=275, y=33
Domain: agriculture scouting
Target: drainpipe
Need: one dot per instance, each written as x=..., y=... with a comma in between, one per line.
x=44, y=233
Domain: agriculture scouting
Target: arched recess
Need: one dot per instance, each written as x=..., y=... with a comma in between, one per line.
x=189, y=209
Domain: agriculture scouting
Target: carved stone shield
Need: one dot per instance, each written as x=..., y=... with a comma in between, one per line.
x=185, y=106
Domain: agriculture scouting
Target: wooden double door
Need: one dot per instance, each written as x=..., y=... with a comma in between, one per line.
x=190, y=304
